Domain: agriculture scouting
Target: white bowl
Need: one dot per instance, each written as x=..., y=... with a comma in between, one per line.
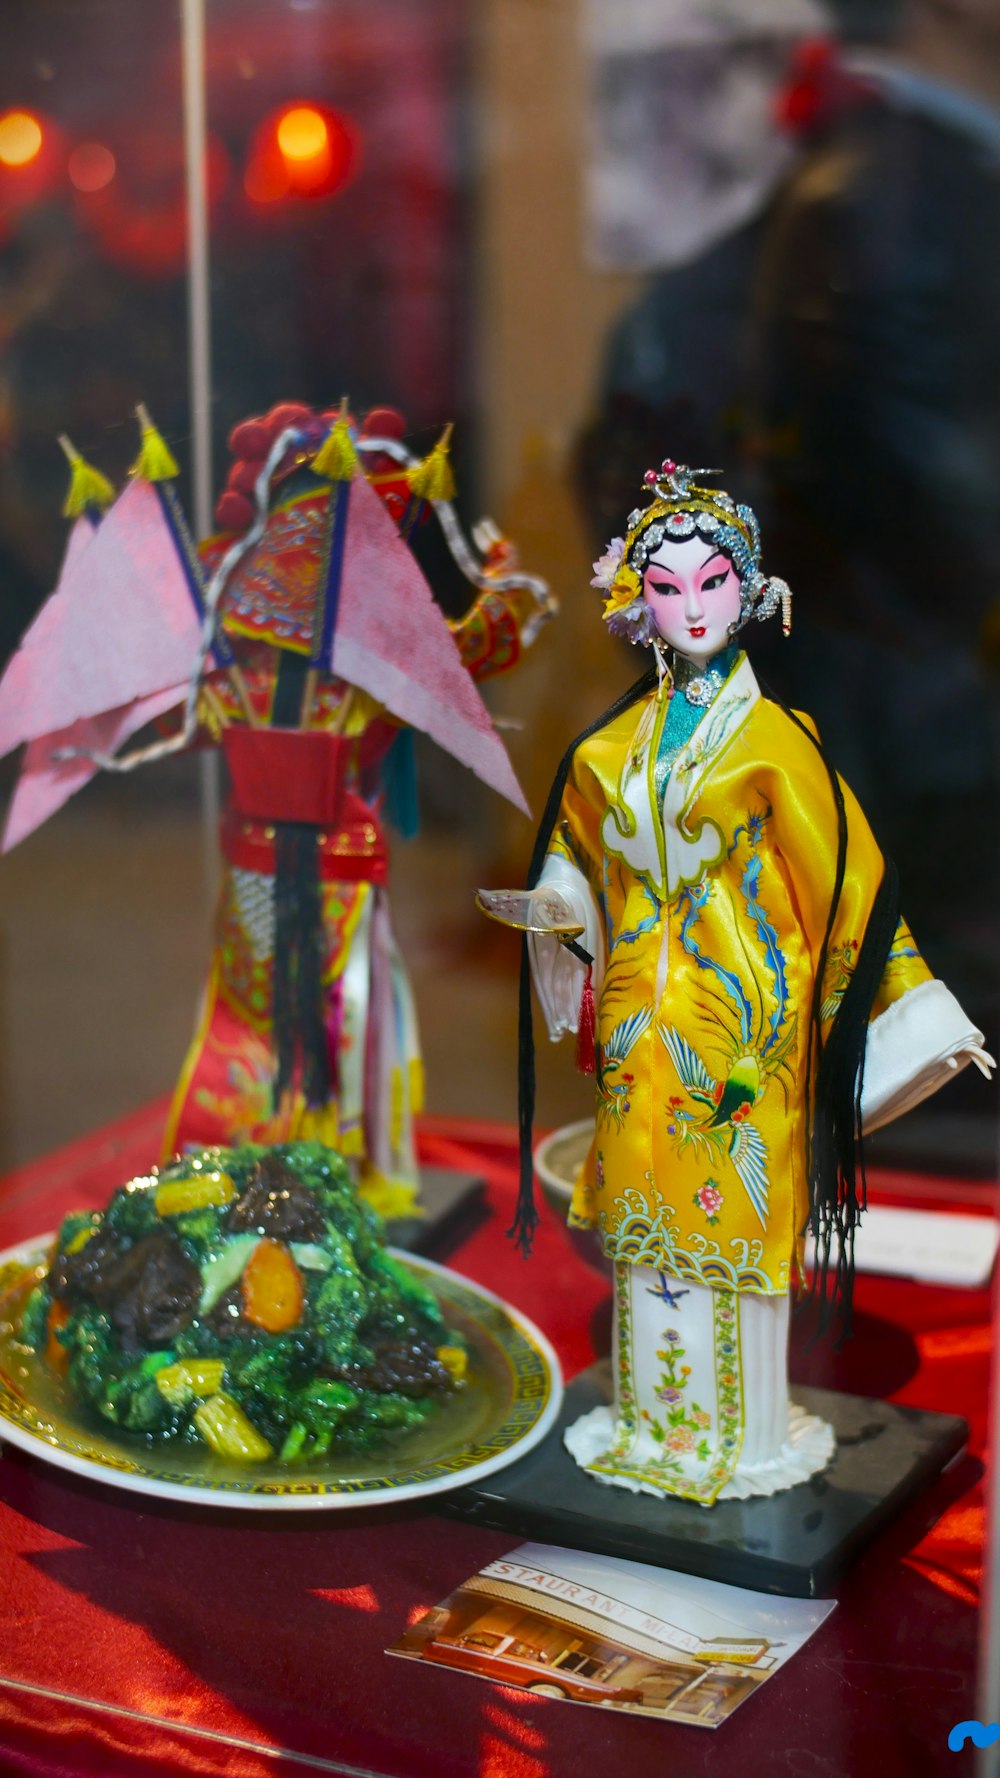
x=558, y=1159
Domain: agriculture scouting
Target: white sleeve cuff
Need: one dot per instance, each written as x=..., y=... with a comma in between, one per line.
x=908, y=1051
x=558, y=975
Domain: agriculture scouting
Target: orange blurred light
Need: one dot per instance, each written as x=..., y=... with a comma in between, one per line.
x=300, y=153
x=266, y=179
x=91, y=166
x=302, y=134
x=20, y=138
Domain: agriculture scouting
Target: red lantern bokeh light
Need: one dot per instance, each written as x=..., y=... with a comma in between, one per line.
x=302, y=150
x=91, y=166
x=21, y=138
x=136, y=201
x=32, y=150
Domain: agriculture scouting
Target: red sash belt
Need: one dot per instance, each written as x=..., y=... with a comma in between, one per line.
x=299, y=775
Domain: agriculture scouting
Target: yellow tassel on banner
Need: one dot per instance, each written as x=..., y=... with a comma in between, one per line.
x=396, y=1106
x=155, y=462
x=318, y=1124
x=391, y=1198
x=337, y=460
x=87, y=486
x=432, y=478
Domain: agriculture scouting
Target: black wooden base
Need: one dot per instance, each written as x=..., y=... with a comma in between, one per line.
x=794, y=1542
x=453, y=1203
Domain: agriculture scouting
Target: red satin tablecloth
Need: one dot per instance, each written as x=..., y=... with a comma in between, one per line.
x=144, y=1638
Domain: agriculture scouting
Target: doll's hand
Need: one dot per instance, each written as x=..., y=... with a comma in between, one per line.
x=973, y=1052
x=532, y=910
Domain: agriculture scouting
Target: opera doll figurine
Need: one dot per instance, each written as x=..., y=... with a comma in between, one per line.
x=305, y=640
x=704, y=877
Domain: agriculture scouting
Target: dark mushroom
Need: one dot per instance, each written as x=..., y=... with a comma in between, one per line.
x=276, y=1203
x=150, y=1292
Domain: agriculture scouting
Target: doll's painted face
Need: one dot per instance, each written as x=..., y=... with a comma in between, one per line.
x=693, y=592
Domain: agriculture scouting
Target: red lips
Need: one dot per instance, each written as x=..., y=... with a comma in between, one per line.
x=697, y=631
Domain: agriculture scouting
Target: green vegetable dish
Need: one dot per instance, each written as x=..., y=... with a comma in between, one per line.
x=243, y=1298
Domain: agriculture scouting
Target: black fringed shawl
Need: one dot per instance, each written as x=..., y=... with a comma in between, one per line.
x=298, y=1029
x=835, y=1072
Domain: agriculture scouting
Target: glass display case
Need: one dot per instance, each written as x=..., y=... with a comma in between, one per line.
x=535, y=249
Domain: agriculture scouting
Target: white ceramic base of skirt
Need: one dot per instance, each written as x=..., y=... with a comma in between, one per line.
x=701, y=1396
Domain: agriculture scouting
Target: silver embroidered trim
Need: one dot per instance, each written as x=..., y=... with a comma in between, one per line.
x=253, y=895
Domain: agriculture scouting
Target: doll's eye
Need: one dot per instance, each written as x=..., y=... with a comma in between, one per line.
x=663, y=586
x=713, y=585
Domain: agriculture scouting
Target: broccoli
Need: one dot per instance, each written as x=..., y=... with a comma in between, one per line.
x=378, y=1415
x=326, y=1174
x=132, y=1400
x=201, y=1232
x=77, y=1223
x=270, y=1368
x=35, y=1318
x=263, y=1375
x=316, y=1414
x=132, y=1213
x=201, y=1340
x=339, y=1305
x=146, y=1292
x=399, y=1296
x=122, y=1392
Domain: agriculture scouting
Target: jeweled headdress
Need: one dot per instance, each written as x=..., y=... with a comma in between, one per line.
x=680, y=507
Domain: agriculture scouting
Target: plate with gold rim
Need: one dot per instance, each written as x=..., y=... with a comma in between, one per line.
x=510, y=1401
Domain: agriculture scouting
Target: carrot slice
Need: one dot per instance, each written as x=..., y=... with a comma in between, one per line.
x=273, y=1295
x=55, y=1351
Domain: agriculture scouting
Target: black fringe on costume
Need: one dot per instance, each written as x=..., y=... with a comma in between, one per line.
x=525, y=1222
x=838, y=1187
x=835, y=1154
x=837, y=1162
x=299, y=1034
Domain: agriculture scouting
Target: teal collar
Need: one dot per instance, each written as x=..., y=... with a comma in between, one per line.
x=701, y=684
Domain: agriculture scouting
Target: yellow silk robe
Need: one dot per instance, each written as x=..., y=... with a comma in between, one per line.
x=714, y=904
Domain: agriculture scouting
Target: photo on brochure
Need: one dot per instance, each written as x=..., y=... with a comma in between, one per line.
x=597, y=1630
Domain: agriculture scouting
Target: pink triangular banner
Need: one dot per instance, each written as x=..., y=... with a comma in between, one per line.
x=119, y=626
x=393, y=641
x=46, y=783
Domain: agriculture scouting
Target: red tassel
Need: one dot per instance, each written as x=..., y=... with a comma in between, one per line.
x=586, y=1060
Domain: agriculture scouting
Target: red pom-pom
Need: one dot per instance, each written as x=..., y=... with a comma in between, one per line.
x=586, y=1058
x=287, y=413
x=242, y=477
x=383, y=422
x=250, y=439
x=233, y=512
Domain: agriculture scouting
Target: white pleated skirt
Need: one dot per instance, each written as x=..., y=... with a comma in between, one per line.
x=701, y=1407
